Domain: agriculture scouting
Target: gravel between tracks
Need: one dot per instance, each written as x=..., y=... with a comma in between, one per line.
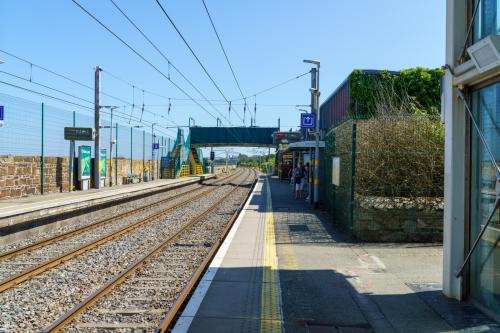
x=146, y=296
x=87, y=219
x=23, y=262
x=34, y=304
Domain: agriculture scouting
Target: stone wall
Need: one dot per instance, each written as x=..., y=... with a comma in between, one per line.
x=20, y=175
x=381, y=219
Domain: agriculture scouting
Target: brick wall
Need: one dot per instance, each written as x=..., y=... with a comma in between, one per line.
x=20, y=175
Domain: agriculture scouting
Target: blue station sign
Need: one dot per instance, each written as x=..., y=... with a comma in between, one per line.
x=156, y=146
x=2, y=115
x=307, y=120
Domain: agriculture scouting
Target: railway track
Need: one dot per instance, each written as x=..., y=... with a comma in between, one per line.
x=152, y=288
x=21, y=264
x=36, y=302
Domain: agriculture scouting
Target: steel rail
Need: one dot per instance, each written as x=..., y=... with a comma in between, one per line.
x=130, y=269
x=71, y=233
x=26, y=275
x=173, y=313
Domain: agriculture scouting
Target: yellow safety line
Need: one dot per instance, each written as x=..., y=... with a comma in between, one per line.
x=270, y=293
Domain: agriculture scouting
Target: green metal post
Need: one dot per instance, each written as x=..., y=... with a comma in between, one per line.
x=353, y=176
x=116, y=154
x=131, y=152
x=143, y=152
x=42, y=179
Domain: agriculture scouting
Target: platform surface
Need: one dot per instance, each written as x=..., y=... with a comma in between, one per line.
x=322, y=281
x=40, y=205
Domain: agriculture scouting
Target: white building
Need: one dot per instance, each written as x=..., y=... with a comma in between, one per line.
x=471, y=186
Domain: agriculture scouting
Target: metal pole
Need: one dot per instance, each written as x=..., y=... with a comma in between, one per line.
x=143, y=152
x=42, y=176
x=152, y=151
x=131, y=152
x=111, y=149
x=116, y=155
x=310, y=177
x=72, y=157
x=226, y=161
x=316, y=150
x=97, y=125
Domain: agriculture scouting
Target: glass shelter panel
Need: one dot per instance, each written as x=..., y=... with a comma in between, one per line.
x=487, y=20
x=485, y=264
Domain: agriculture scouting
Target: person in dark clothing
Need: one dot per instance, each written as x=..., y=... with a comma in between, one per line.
x=299, y=174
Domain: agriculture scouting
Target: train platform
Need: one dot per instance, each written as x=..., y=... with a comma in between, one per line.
x=23, y=213
x=284, y=268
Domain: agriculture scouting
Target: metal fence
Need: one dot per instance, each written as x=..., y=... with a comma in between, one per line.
x=391, y=157
x=37, y=129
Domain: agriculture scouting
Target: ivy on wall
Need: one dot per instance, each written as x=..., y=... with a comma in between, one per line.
x=422, y=85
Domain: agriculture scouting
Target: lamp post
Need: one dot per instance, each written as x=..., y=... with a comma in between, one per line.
x=315, y=109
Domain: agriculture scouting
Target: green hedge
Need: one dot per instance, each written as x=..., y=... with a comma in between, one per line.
x=422, y=85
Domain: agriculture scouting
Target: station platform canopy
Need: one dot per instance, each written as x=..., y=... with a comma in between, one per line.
x=303, y=145
x=232, y=136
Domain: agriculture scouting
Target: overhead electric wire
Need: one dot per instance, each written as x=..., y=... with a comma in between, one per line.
x=46, y=87
x=141, y=56
x=60, y=75
x=166, y=59
x=222, y=47
x=273, y=87
x=193, y=53
x=47, y=70
x=46, y=95
x=62, y=100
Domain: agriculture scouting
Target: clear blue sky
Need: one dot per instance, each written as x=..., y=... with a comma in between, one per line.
x=265, y=40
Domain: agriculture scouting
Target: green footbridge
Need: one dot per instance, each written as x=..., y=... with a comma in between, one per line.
x=186, y=158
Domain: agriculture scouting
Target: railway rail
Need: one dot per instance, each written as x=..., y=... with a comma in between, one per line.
x=150, y=291
x=31, y=303
x=21, y=264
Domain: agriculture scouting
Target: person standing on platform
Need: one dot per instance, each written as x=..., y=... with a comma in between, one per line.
x=298, y=177
x=305, y=180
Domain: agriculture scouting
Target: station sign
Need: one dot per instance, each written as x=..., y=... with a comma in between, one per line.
x=286, y=137
x=156, y=145
x=307, y=120
x=2, y=113
x=84, y=160
x=79, y=133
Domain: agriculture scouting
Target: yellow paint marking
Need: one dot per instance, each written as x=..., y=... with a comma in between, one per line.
x=270, y=294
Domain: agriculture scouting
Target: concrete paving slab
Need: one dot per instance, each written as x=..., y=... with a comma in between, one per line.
x=328, y=283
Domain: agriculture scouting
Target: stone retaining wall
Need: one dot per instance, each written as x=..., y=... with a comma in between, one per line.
x=378, y=219
x=20, y=175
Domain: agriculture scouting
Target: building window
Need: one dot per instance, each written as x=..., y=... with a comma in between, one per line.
x=485, y=264
x=487, y=21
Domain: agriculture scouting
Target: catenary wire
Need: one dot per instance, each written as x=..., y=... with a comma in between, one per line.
x=192, y=52
x=141, y=56
x=222, y=47
x=205, y=99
